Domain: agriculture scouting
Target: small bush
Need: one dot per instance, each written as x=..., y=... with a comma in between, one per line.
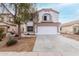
x=28, y=34
x=11, y=42
x=16, y=35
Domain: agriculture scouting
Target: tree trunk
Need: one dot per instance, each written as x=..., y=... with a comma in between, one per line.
x=19, y=31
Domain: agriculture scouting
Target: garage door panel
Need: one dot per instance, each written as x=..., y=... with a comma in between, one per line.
x=47, y=30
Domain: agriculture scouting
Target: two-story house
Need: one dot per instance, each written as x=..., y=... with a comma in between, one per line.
x=45, y=23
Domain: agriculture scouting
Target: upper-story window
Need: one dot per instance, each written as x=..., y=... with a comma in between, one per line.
x=46, y=17
x=10, y=20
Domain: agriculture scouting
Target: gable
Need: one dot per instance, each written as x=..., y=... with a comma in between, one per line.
x=48, y=10
x=51, y=16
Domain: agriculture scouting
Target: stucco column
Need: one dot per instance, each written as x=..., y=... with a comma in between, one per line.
x=58, y=29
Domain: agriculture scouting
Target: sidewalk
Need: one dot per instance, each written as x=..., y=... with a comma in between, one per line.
x=29, y=54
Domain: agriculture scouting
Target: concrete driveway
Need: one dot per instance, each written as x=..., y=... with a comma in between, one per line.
x=56, y=44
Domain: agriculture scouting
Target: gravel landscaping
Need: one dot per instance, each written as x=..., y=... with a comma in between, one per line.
x=24, y=45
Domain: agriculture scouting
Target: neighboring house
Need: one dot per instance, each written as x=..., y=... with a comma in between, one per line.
x=46, y=22
x=6, y=20
x=70, y=27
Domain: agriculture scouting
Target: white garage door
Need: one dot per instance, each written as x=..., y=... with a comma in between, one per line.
x=47, y=30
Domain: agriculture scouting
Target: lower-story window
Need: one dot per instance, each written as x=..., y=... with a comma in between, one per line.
x=30, y=28
x=76, y=30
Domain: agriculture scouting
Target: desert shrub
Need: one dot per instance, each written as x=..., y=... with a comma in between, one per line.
x=28, y=34
x=11, y=42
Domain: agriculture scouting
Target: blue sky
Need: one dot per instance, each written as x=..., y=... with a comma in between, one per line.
x=68, y=12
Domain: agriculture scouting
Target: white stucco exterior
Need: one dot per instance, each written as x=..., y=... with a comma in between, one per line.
x=54, y=15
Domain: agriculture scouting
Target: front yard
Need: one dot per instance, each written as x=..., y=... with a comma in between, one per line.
x=23, y=45
x=73, y=36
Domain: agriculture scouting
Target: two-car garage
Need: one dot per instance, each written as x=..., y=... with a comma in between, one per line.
x=46, y=30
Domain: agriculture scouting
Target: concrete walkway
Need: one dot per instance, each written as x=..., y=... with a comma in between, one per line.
x=56, y=45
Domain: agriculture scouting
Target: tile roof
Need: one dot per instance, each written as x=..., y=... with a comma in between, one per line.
x=71, y=23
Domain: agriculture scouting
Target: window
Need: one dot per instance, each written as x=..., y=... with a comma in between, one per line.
x=75, y=29
x=45, y=18
x=10, y=20
x=29, y=28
